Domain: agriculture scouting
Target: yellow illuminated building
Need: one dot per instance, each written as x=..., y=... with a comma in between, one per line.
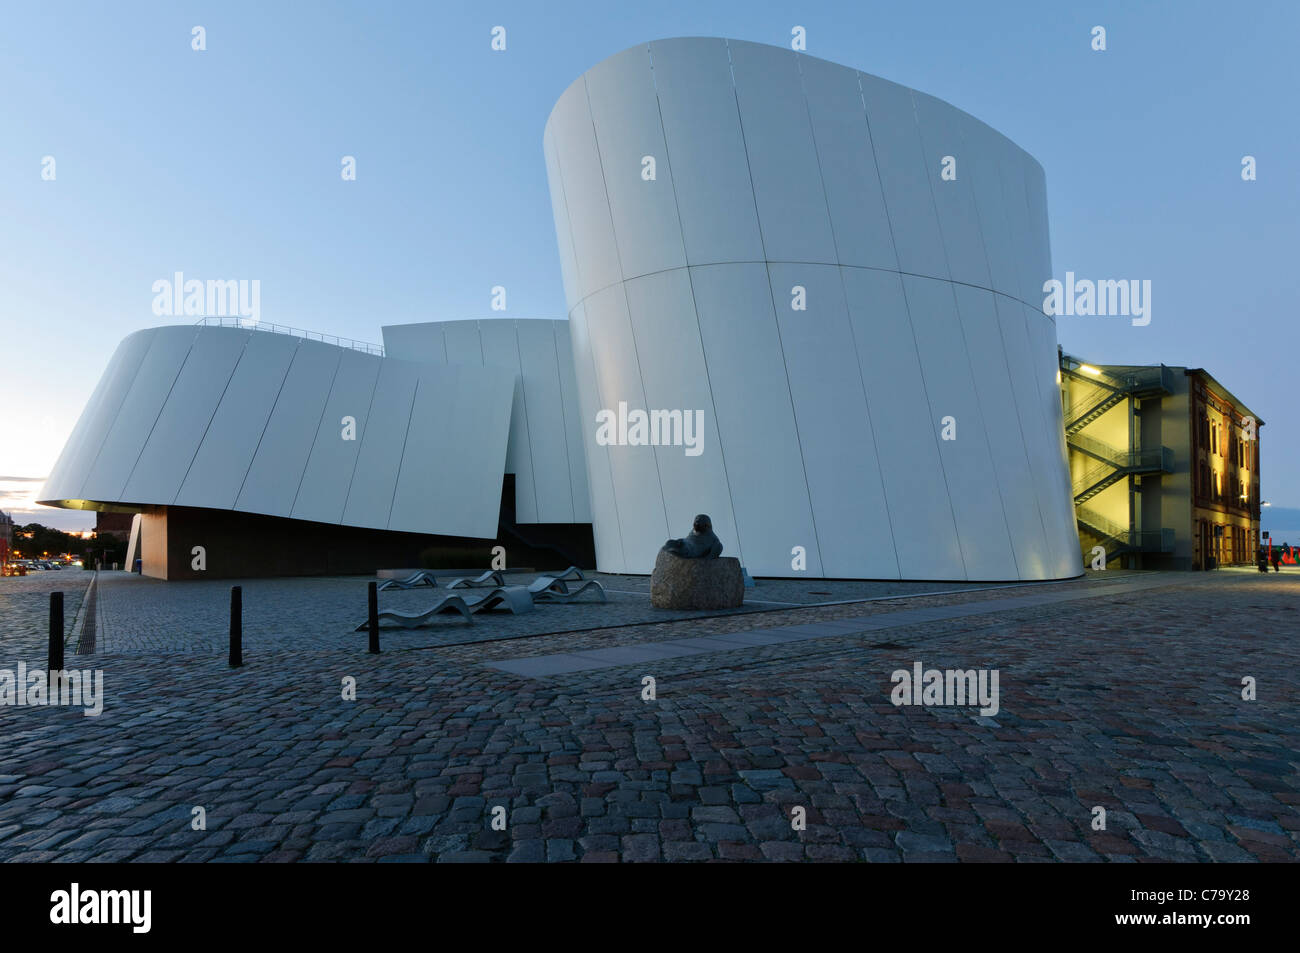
x=1164, y=466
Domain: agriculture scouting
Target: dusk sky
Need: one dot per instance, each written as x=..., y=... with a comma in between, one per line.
x=225, y=164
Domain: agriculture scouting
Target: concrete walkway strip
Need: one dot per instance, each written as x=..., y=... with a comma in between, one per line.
x=631, y=654
x=539, y=666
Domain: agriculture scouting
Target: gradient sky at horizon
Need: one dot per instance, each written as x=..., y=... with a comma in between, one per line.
x=225, y=164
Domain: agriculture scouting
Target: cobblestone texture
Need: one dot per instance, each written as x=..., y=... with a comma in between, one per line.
x=147, y=615
x=1132, y=704
x=25, y=612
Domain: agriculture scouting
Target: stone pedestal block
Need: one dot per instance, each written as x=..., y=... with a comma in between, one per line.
x=696, y=583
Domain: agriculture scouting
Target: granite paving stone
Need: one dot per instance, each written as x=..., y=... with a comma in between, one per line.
x=1136, y=710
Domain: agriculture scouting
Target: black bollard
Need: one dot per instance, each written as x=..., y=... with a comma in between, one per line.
x=373, y=618
x=56, y=632
x=236, y=627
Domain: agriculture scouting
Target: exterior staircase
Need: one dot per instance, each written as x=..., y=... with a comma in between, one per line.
x=1113, y=465
x=1105, y=390
x=1117, y=539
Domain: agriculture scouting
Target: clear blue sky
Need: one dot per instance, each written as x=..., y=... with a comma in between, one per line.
x=225, y=164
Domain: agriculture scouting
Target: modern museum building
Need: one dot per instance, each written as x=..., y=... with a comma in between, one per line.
x=801, y=299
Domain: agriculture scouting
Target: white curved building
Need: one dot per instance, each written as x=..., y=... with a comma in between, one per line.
x=835, y=272
x=544, y=452
x=204, y=429
x=233, y=419
x=802, y=299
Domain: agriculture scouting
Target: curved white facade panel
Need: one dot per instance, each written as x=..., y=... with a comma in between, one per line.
x=545, y=447
x=246, y=420
x=769, y=239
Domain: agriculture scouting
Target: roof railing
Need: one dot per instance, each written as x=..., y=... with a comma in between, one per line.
x=376, y=349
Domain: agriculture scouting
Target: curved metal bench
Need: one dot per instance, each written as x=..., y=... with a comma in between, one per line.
x=546, y=584
x=492, y=577
x=410, y=620
x=566, y=595
x=517, y=599
x=422, y=578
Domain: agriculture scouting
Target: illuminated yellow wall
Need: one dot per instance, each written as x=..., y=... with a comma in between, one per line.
x=1112, y=503
x=1111, y=427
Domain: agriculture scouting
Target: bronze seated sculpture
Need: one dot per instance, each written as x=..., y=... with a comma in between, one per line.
x=692, y=573
x=700, y=543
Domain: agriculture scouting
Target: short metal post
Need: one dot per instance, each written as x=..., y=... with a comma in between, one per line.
x=373, y=618
x=56, y=632
x=236, y=627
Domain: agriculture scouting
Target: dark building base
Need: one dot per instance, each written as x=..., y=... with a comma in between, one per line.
x=244, y=545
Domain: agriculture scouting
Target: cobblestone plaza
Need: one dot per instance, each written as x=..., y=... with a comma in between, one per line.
x=1122, y=691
